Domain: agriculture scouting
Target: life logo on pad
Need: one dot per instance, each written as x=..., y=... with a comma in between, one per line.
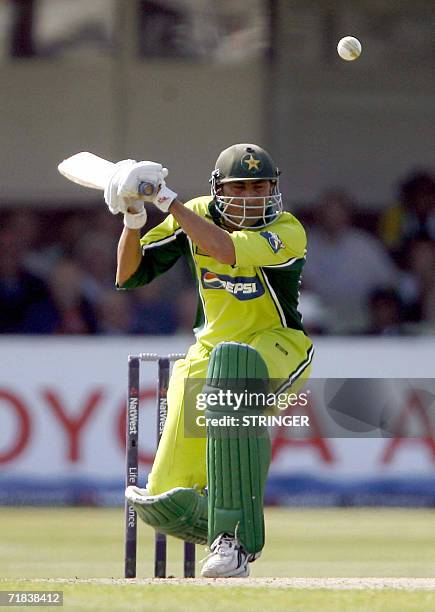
x=274, y=241
x=242, y=287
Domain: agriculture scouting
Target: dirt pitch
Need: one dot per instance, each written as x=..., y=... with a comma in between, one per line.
x=409, y=584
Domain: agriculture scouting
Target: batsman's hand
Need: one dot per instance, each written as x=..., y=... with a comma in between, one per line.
x=116, y=203
x=136, y=215
x=146, y=172
x=122, y=187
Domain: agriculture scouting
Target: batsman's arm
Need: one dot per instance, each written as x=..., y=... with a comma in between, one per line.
x=129, y=254
x=210, y=238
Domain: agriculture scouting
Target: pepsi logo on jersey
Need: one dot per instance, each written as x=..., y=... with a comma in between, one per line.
x=241, y=287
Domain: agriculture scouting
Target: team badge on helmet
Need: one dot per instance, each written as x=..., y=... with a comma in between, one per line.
x=251, y=163
x=246, y=162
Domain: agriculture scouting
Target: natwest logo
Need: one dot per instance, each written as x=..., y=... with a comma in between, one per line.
x=242, y=287
x=133, y=415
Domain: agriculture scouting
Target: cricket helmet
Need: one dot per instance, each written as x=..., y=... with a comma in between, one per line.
x=246, y=162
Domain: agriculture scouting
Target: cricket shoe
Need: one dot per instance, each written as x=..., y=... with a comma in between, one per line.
x=227, y=559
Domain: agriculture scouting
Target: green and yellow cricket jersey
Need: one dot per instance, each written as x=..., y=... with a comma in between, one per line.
x=260, y=292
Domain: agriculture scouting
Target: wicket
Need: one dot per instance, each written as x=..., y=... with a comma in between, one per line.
x=132, y=462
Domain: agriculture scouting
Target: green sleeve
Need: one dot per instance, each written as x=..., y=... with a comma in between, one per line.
x=161, y=248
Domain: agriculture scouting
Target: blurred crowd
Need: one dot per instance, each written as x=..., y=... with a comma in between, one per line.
x=367, y=272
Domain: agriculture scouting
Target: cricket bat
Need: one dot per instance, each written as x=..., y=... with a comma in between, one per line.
x=92, y=171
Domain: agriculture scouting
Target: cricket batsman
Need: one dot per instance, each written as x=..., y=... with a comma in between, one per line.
x=246, y=256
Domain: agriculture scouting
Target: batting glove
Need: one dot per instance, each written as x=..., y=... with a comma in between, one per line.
x=147, y=172
x=116, y=203
x=164, y=198
x=136, y=219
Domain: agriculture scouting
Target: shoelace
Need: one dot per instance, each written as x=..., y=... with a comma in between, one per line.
x=224, y=547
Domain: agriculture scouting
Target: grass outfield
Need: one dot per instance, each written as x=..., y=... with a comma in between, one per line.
x=87, y=544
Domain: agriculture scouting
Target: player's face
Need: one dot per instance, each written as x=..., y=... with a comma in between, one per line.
x=249, y=197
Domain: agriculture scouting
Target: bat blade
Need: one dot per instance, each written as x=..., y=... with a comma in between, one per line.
x=87, y=170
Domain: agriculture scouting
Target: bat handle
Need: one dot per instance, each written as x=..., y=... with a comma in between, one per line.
x=146, y=188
